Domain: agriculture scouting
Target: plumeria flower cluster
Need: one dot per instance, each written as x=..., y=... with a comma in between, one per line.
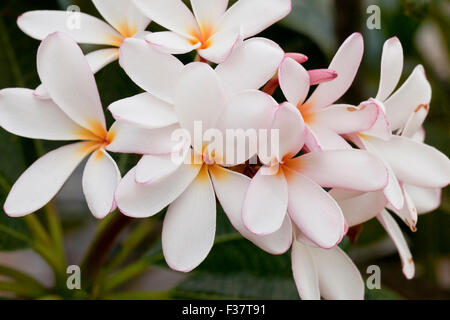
x=323, y=167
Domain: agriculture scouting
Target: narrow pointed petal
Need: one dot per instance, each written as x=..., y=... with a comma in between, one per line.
x=101, y=58
x=425, y=199
x=415, y=121
x=305, y=272
x=230, y=188
x=255, y=15
x=396, y=235
x=346, y=63
x=71, y=85
x=319, y=76
x=190, y=225
x=171, y=14
x=339, y=278
x=44, y=178
x=23, y=114
x=219, y=47
x=208, y=12
x=391, y=68
x=171, y=42
x=144, y=110
x=153, y=168
x=91, y=30
x=250, y=65
x=323, y=138
x=408, y=213
x=415, y=92
x=100, y=179
x=294, y=81
x=346, y=169
x=154, y=71
x=265, y=203
x=299, y=57
x=123, y=15
x=314, y=211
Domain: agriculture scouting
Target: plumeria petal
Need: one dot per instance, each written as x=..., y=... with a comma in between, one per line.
x=153, y=168
x=230, y=188
x=171, y=42
x=415, y=92
x=408, y=213
x=415, y=121
x=265, y=203
x=23, y=114
x=294, y=81
x=220, y=46
x=255, y=15
x=101, y=58
x=346, y=63
x=381, y=128
x=100, y=179
x=71, y=85
x=305, y=272
x=323, y=138
x=319, y=76
x=391, y=68
x=44, y=178
x=314, y=211
x=144, y=110
x=91, y=30
x=396, y=235
x=425, y=199
x=154, y=71
x=208, y=12
x=190, y=225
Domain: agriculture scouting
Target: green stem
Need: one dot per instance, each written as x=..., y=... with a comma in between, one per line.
x=160, y=295
x=37, y=230
x=4, y=183
x=56, y=231
x=7, y=47
x=22, y=278
x=19, y=290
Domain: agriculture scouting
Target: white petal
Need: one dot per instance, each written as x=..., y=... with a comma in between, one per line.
x=415, y=121
x=154, y=71
x=190, y=225
x=153, y=168
x=82, y=27
x=381, y=128
x=44, y=178
x=323, y=138
x=250, y=65
x=305, y=272
x=416, y=91
x=255, y=15
x=219, y=47
x=71, y=85
x=396, y=235
x=294, y=81
x=425, y=199
x=101, y=58
x=391, y=68
x=408, y=213
x=144, y=110
x=346, y=63
x=171, y=14
x=23, y=114
x=208, y=12
x=230, y=188
x=314, y=211
x=100, y=179
x=339, y=278
x=265, y=203
x=171, y=42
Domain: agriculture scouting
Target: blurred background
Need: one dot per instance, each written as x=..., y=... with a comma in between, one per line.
x=235, y=268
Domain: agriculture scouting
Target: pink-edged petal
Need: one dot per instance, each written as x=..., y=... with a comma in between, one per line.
x=71, y=85
x=131, y=138
x=391, y=68
x=346, y=169
x=323, y=138
x=190, y=225
x=153, y=168
x=171, y=14
x=408, y=213
x=199, y=97
x=208, y=12
x=220, y=46
x=100, y=179
x=314, y=211
x=250, y=65
x=361, y=208
x=415, y=121
x=123, y=15
x=255, y=15
x=44, y=178
x=230, y=188
x=397, y=237
x=305, y=272
x=346, y=63
x=101, y=58
x=294, y=81
x=381, y=128
x=23, y=114
x=265, y=203
x=319, y=76
x=339, y=278
x=154, y=71
x=144, y=110
x=299, y=57
x=171, y=42
x=141, y=200
x=425, y=199
x=415, y=162
x=311, y=141
x=415, y=92
x=85, y=28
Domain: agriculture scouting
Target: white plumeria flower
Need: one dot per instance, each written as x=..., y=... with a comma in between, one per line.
x=212, y=30
x=74, y=112
x=326, y=122
x=125, y=21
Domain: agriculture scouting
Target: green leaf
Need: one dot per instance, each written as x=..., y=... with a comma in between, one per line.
x=382, y=294
x=13, y=233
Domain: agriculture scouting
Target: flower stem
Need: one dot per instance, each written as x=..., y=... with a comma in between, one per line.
x=22, y=278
